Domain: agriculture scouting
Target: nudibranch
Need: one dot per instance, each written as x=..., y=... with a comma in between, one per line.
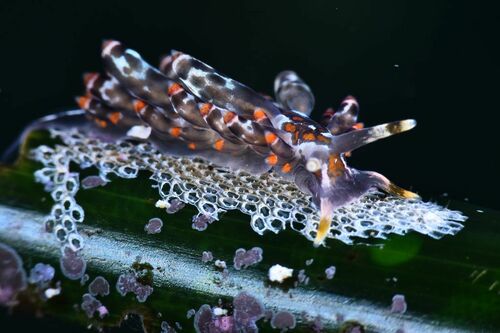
x=186, y=108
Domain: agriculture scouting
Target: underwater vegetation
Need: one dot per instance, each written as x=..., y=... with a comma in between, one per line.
x=185, y=200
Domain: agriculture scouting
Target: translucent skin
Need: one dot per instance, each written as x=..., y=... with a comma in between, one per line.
x=187, y=108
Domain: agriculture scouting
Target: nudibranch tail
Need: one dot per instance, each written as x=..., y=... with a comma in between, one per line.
x=65, y=119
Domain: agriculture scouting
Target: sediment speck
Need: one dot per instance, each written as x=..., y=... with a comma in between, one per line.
x=153, y=226
x=283, y=321
x=207, y=256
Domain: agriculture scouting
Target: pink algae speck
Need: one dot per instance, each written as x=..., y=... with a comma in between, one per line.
x=12, y=275
x=72, y=264
x=283, y=321
x=244, y=259
x=99, y=286
x=153, y=226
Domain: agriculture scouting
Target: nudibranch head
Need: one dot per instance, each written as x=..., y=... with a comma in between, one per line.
x=331, y=182
x=320, y=150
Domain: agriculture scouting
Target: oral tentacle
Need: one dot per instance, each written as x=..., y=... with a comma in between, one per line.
x=381, y=182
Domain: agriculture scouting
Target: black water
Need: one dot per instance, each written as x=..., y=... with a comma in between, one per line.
x=435, y=61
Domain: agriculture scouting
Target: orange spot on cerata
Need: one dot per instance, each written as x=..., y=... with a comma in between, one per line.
x=205, y=108
x=229, y=116
x=87, y=77
x=323, y=138
x=192, y=146
x=175, y=132
x=286, y=168
x=83, y=102
x=174, y=89
x=259, y=114
x=308, y=136
x=289, y=127
x=138, y=105
x=115, y=117
x=272, y=159
x=270, y=137
x=358, y=126
x=335, y=164
x=219, y=144
x=297, y=118
x=101, y=123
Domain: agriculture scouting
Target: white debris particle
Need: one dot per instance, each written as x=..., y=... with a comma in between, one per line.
x=163, y=204
x=479, y=210
x=139, y=131
x=396, y=65
x=220, y=263
x=330, y=272
x=103, y=311
x=219, y=311
x=309, y=262
x=51, y=292
x=279, y=273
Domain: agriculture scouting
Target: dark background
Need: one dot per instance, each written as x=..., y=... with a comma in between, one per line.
x=434, y=61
